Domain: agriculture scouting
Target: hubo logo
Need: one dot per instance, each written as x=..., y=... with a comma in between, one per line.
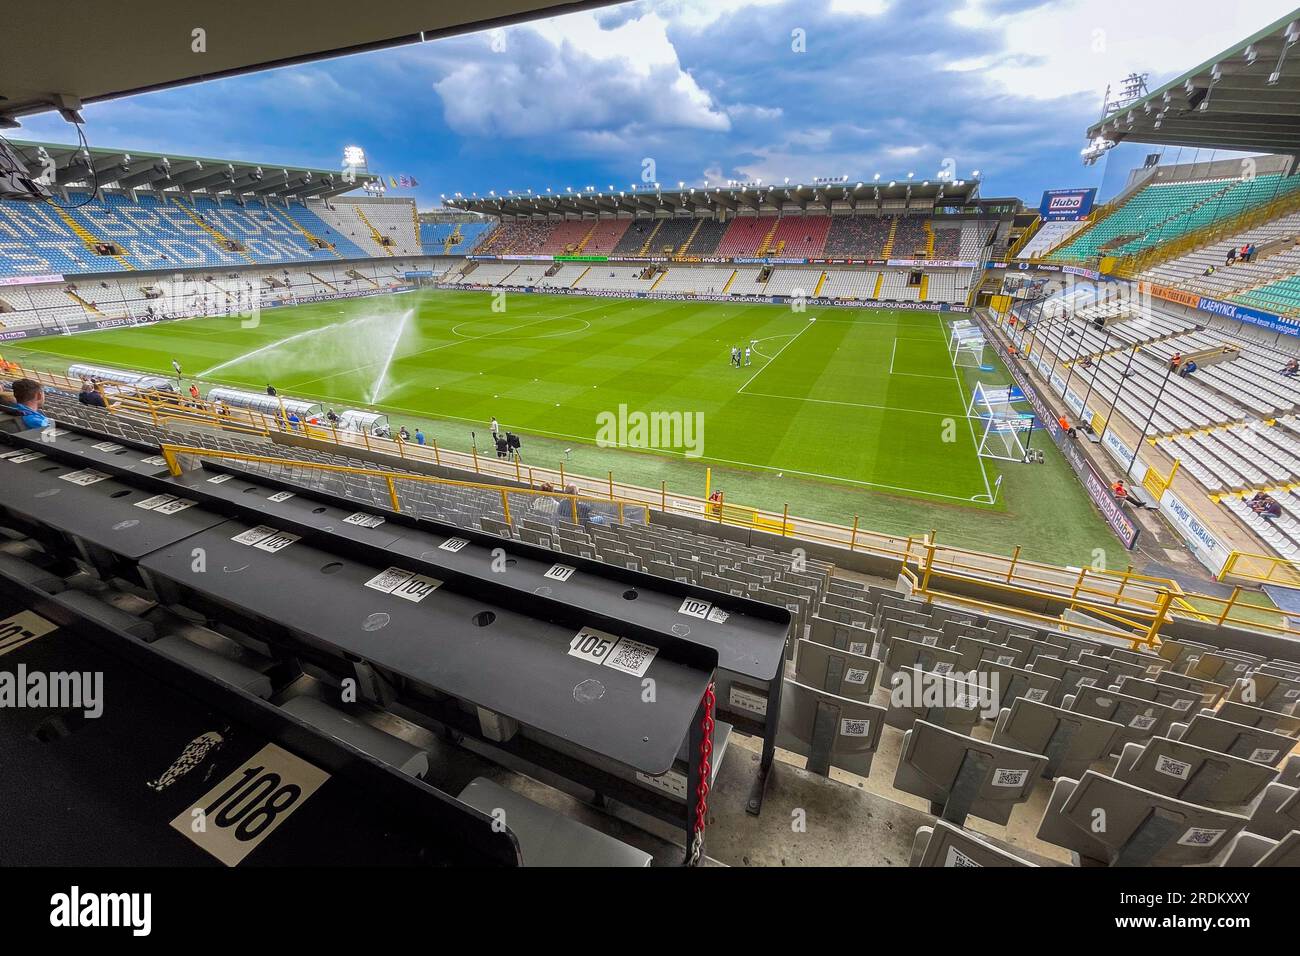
x=1065, y=203
x=914, y=688
x=58, y=690
x=663, y=431
x=100, y=910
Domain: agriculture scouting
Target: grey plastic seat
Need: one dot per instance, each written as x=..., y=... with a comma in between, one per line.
x=1071, y=742
x=1267, y=691
x=1278, y=812
x=1215, y=733
x=846, y=637
x=961, y=776
x=547, y=838
x=1012, y=682
x=1210, y=692
x=946, y=845
x=1290, y=772
x=938, y=697
x=900, y=653
x=1140, y=719
x=1191, y=773
x=835, y=671
x=828, y=729
x=1071, y=674
x=1141, y=828
x=215, y=665
x=1259, y=717
x=1251, y=849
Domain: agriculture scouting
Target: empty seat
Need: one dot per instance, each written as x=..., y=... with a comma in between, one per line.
x=1141, y=828
x=1278, y=812
x=384, y=747
x=1191, y=773
x=1251, y=849
x=960, y=775
x=834, y=671
x=547, y=838
x=215, y=665
x=946, y=845
x=1071, y=742
x=828, y=729
x=1215, y=733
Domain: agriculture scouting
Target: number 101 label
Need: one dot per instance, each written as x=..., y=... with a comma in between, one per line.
x=231, y=819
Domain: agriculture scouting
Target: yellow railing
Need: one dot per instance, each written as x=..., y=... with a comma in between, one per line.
x=1141, y=599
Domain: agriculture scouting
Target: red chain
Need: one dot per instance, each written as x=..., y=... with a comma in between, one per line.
x=706, y=749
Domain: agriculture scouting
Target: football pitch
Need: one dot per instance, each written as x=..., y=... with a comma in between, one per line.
x=868, y=398
x=834, y=402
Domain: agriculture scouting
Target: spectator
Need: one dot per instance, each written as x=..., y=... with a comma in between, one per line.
x=1265, y=505
x=332, y=418
x=1176, y=361
x=29, y=396
x=1123, y=495
x=1232, y=257
x=270, y=390
x=294, y=420
x=403, y=434
x=1188, y=368
x=419, y=437
x=194, y=392
x=1066, y=426
x=89, y=395
x=1291, y=368
x=1250, y=253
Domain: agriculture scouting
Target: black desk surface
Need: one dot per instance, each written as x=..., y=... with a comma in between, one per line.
x=515, y=665
x=81, y=791
x=103, y=513
x=745, y=644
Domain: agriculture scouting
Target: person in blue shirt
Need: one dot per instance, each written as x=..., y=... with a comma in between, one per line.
x=419, y=437
x=29, y=396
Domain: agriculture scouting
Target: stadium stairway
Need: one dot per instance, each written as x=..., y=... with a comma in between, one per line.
x=315, y=240
x=222, y=240
x=88, y=239
x=374, y=233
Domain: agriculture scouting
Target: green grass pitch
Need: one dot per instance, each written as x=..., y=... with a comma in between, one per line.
x=836, y=403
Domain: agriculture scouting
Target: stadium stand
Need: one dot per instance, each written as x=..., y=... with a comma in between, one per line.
x=857, y=237
x=800, y=236
x=747, y=236
x=1163, y=211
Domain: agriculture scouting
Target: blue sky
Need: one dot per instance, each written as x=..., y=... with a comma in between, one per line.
x=708, y=90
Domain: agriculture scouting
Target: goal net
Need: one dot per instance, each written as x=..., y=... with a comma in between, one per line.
x=965, y=344
x=1002, y=429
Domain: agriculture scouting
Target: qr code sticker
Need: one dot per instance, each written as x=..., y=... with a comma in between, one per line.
x=107, y=446
x=1006, y=660
x=387, y=580
x=1173, y=768
x=856, y=675
x=631, y=657
x=253, y=535
x=943, y=667
x=1142, y=722
x=858, y=647
x=220, y=479
x=1292, y=694
x=153, y=460
x=1261, y=755
x=30, y=456
x=1087, y=681
x=1200, y=836
x=150, y=503
x=1009, y=778
x=956, y=857
x=11, y=454
x=855, y=727
x=930, y=640
x=87, y=477
x=1037, y=694
x=280, y=496
x=1182, y=704
x=363, y=520
x=1153, y=669
x=718, y=616
x=172, y=507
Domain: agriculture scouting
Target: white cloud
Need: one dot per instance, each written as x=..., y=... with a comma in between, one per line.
x=1079, y=46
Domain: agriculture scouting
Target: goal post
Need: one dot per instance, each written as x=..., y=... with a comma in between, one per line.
x=1002, y=429
x=965, y=344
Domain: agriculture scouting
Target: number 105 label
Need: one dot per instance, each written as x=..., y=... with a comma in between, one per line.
x=231, y=819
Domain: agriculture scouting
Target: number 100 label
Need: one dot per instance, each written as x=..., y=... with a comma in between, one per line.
x=231, y=819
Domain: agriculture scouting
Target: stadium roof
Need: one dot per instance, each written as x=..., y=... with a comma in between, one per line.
x=729, y=197
x=133, y=169
x=1247, y=98
x=98, y=51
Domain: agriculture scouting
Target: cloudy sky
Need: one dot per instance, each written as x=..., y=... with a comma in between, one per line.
x=709, y=90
